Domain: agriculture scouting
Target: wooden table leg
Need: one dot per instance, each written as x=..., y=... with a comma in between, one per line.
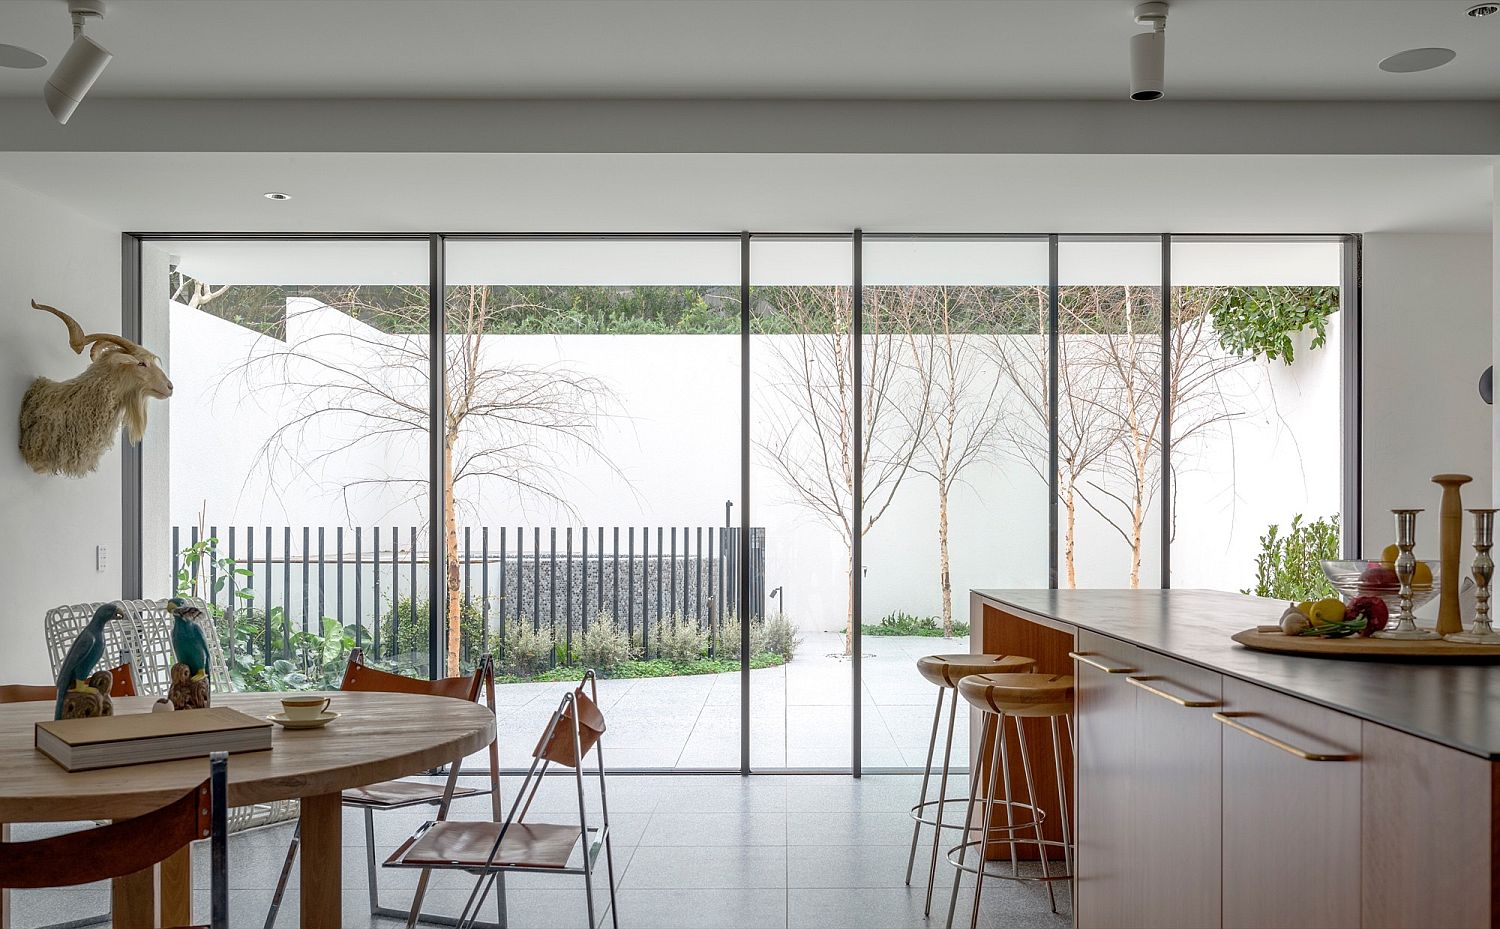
x=177, y=888
x=322, y=860
x=5, y=893
x=133, y=900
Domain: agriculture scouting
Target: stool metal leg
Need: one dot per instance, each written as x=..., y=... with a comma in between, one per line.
x=986, y=742
x=1036, y=817
x=916, y=826
x=1062, y=798
x=937, y=830
x=999, y=771
x=1010, y=825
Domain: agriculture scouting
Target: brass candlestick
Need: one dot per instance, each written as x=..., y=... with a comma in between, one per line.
x=1451, y=526
x=1481, y=633
x=1406, y=568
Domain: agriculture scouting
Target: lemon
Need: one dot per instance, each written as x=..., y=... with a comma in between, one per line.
x=1305, y=608
x=1328, y=610
x=1389, y=554
x=1422, y=577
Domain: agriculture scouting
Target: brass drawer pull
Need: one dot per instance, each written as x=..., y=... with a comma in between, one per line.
x=1083, y=657
x=1141, y=683
x=1231, y=720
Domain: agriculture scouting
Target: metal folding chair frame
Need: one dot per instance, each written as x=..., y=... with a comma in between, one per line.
x=491, y=874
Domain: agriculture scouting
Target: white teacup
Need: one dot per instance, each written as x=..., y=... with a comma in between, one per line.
x=308, y=707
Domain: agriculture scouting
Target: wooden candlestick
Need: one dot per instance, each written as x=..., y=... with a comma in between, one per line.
x=1451, y=527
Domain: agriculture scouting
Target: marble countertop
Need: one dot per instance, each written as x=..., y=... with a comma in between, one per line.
x=1457, y=705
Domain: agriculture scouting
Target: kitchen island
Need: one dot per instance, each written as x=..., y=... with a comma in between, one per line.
x=1219, y=786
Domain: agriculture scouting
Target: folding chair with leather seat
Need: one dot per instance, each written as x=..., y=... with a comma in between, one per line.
x=131, y=845
x=395, y=795
x=492, y=849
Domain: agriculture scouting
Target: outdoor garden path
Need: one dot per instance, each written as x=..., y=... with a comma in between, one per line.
x=799, y=712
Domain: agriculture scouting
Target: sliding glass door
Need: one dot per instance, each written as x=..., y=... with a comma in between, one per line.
x=750, y=478
x=593, y=474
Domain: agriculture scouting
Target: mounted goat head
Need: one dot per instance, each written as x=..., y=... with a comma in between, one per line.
x=67, y=427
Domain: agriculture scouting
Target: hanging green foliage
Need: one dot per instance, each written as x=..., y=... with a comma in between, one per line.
x=1260, y=321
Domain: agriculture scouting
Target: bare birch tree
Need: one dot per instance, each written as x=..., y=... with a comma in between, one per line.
x=944, y=329
x=354, y=386
x=809, y=440
x=1085, y=429
x=1130, y=318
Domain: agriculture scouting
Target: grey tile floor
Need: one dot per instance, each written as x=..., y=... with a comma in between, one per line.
x=800, y=712
x=691, y=852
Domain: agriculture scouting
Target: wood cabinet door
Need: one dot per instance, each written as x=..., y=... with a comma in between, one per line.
x=1291, y=821
x=1107, y=882
x=1177, y=802
x=1428, y=812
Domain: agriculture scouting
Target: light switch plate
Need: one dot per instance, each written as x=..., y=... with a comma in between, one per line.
x=101, y=558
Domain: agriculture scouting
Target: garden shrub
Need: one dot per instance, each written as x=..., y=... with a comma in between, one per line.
x=780, y=637
x=525, y=650
x=900, y=622
x=679, y=639
x=1290, y=567
x=603, y=645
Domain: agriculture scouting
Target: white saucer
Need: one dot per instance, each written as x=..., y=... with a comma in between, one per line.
x=317, y=722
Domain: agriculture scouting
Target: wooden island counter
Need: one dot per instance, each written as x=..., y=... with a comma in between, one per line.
x=1218, y=786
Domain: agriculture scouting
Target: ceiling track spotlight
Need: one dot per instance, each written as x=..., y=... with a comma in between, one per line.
x=80, y=66
x=1148, y=53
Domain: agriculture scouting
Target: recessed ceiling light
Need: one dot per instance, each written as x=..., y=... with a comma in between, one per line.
x=276, y=195
x=1481, y=10
x=14, y=56
x=1418, y=59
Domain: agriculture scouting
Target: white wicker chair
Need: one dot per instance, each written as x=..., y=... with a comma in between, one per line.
x=145, y=634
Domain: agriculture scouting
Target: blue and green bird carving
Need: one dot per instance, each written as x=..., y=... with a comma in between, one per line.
x=78, y=666
x=187, y=637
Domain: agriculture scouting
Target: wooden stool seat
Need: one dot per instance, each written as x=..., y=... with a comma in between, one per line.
x=1026, y=695
x=948, y=670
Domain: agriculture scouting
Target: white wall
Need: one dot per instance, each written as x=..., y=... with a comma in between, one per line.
x=49, y=526
x=1427, y=338
x=675, y=442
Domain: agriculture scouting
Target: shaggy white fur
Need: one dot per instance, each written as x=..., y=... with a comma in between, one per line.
x=67, y=426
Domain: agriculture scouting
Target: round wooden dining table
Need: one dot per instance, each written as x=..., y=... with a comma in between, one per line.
x=377, y=737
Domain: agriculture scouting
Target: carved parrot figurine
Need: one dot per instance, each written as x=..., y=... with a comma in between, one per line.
x=85, y=653
x=187, y=637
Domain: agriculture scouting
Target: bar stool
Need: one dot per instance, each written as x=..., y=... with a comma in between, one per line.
x=1018, y=696
x=946, y=671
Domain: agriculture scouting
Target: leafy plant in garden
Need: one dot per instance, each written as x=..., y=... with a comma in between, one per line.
x=405, y=624
x=526, y=651
x=603, y=646
x=1290, y=567
x=781, y=638
x=900, y=622
x=1260, y=321
x=204, y=573
x=679, y=639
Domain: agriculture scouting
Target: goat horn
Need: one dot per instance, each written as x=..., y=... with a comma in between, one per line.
x=78, y=340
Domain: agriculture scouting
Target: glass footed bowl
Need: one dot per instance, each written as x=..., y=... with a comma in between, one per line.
x=1375, y=578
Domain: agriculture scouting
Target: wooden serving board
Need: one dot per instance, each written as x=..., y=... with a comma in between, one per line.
x=1371, y=649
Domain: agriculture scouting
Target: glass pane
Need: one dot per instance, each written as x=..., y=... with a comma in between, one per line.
x=1256, y=417
x=593, y=403
x=1109, y=412
x=802, y=443
x=956, y=493
x=288, y=484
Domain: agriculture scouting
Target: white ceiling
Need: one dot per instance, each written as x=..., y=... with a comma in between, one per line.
x=352, y=192
x=914, y=49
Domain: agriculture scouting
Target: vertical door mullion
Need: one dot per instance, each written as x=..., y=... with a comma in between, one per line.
x=1166, y=411
x=742, y=595
x=437, y=399
x=1054, y=344
x=857, y=505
